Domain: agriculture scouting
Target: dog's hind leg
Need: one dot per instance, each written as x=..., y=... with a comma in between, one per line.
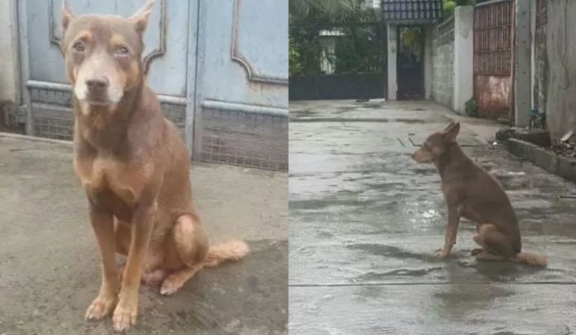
x=152, y=275
x=191, y=247
x=495, y=244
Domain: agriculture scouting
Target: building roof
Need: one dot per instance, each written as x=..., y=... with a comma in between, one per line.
x=411, y=11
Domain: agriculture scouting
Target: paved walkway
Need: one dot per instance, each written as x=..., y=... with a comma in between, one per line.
x=365, y=221
x=49, y=270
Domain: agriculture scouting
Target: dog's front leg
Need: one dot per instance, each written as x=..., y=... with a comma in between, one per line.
x=451, y=231
x=103, y=225
x=142, y=224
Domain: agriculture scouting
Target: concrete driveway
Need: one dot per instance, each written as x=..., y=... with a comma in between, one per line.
x=365, y=221
x=49, y=268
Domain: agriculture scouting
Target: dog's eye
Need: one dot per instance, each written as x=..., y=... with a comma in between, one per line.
x=122, y=51
x=79, y=47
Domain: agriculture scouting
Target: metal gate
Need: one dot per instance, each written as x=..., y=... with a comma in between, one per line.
x=410, y=62
x=493, y=55
x=340, y=61
x=219, y=67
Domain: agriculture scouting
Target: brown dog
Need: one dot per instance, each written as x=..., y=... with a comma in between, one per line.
x=476, y=195
x=133, y=166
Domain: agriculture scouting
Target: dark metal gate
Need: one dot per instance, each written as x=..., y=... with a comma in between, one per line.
x=410, y=63
x=339, y=62
x=493, y=39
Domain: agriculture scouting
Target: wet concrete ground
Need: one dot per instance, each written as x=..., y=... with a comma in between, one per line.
x=49, y=268
x=365, y=221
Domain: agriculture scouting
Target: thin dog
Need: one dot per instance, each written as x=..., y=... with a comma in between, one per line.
x=471, y=192
x=133, y=166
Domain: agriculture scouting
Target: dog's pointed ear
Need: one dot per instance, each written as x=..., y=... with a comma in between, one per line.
x=66, y=16
x=449, y=126
x=140, y=19
x=452, y=131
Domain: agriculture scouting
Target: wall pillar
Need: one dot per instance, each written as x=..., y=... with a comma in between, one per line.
x=533, y=10
x=523, y=64
x=463, y=57
x=428, y=62
x=392, y=61
x=9, y=66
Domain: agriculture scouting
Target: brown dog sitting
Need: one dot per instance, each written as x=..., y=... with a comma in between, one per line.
x=133, y=166
x=476, y=195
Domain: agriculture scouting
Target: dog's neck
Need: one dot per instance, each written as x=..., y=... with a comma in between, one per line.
x=452, y=158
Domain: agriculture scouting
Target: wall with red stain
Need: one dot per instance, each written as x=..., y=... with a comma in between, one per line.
x=492, y=93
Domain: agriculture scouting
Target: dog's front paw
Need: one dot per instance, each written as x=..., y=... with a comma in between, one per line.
x=476, y=251
x=100, y=307
x=442, y=253
x=124, y=317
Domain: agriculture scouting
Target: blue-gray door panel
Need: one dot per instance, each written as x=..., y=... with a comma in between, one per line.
x=243, y=52
x=241, y=95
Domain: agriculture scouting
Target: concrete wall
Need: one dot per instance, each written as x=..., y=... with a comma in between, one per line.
x=443, y=64
x=428, y=60
x=523, y=63
x=560, y=47
x=540, y=60
x=463, y=57
x=9, y=68
x=452, y=58
x=392, y=59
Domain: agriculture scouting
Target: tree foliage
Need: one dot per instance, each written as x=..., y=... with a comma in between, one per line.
x=359, y=50
x=349, y=18
x=330, y=12
x=450, y=6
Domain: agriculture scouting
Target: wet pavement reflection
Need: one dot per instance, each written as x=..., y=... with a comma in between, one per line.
x=365, y=221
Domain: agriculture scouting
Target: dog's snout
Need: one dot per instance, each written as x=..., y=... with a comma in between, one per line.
x=97, y=85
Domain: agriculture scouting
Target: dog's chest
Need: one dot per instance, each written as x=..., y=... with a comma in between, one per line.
x=105, y=178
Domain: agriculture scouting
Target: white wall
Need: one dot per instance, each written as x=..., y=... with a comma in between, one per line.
x=428, y=60
x=443, y=65
x=392, y=54
x=9, y=72
x=463, y=57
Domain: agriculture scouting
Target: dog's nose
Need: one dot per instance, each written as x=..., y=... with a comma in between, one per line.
x=97, y=85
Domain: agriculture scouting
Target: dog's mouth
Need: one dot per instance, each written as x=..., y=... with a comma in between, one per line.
x=420, y=158
x=97, y=95
x=98, y=102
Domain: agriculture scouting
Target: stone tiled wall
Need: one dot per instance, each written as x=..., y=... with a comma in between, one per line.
x=443, y=64
x=541, y=57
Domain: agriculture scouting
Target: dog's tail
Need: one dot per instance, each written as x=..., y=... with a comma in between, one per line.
x=531, y=259
x=231, y=250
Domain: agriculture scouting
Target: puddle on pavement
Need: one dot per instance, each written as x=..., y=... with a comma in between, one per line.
x=375, y=221
x=392, y=252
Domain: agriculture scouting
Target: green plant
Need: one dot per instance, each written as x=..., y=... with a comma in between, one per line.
x=293, y=57
x=450, y=5
x=448, y=8
x=471, y=107
x=309, y=17
x=359, y=50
